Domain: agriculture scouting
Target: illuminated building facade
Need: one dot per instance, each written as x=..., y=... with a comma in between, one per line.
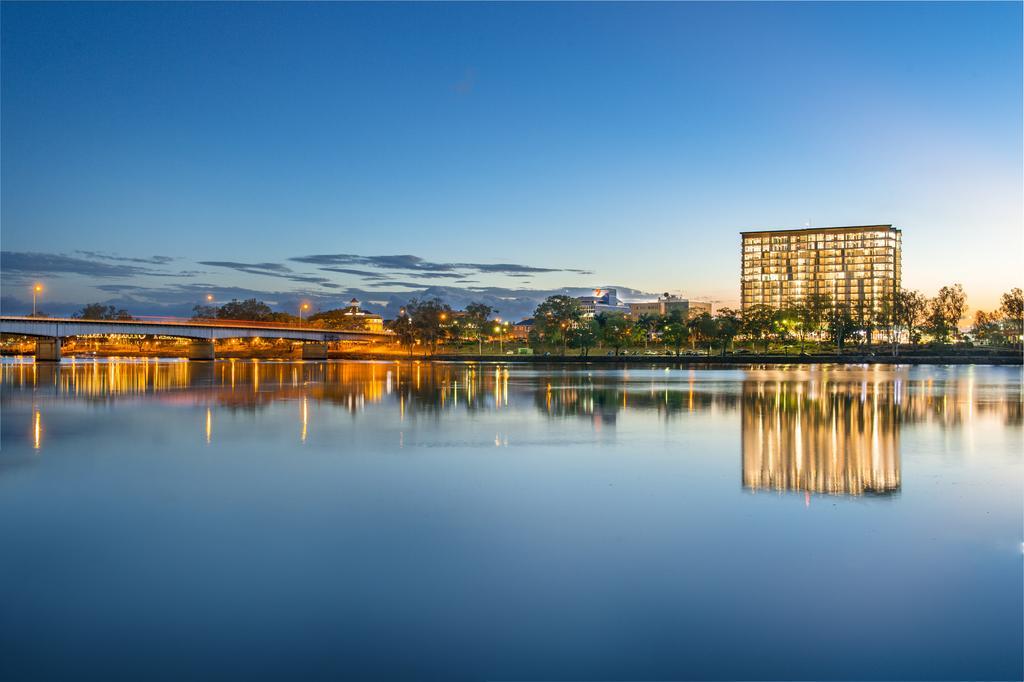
x=603, y=301
x=855, y=266
x=370, y=321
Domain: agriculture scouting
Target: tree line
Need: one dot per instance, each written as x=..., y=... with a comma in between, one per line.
x=254, y=310
x=559, y=324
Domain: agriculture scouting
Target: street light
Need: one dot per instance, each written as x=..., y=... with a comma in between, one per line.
x=304, y=306
x=209, y=298
x=36, y=289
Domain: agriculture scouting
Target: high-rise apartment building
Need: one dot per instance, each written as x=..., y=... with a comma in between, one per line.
x=855, y=266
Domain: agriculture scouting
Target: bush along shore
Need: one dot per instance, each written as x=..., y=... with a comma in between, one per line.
x=951, y=357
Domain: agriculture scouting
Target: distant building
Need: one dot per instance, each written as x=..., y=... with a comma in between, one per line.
x=855, y=266
x=521, y=330
x=603, y=301
x=666, y=305
x=371, y=322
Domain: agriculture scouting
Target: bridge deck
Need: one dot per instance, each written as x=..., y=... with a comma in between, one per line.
x=199, y=329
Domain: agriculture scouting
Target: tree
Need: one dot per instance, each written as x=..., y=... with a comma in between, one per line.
x=909, y=307
x=887, y=320
x=404, y=331
x=249, y=309
x=617, y=331
x=1012, y=308
x=987, y=328
x=477, y=315
x=554, y=317
x=791, y=320
x=675, y=335
x=817, y=307
x=802, y=314
x=840, y=324
x=759, y=323
x=945, y=312
x=727, y=326
x=647, y=323
x=864, y=317
x=430, y=321
x=98, y=311
x=204, y=312
x=706, y=328
x=584, y=336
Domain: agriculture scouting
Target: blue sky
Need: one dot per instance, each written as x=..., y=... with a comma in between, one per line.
x=584, y=144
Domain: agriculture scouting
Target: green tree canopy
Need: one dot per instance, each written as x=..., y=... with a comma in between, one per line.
x=618, y=331
x=554, y=317
x=584, y=335
x=675, y=334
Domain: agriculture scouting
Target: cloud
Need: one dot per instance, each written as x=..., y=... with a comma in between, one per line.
x=35, y=264
x=351, y=271
x=254, y=268
x=271, y=270
x=410, y=264
x=152, y=260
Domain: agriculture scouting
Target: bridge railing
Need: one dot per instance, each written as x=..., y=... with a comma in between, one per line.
x=156, y=320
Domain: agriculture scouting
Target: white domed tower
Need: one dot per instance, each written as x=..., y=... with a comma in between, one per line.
x=353, y=307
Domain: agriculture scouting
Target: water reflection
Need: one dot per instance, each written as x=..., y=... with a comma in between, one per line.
x=813, y=429
x=367, y=507
x=840, y=437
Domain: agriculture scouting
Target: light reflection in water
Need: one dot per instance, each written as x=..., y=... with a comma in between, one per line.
x=37, y=429
x=820, y=430
x=824, y=438
x=600, y=474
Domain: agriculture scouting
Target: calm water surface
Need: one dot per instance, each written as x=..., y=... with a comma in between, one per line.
x=278, y=520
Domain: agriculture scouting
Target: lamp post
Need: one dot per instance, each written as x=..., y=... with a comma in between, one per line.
x=304, y=306
x=36, y=289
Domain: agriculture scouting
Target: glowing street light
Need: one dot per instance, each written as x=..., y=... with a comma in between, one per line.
x=209, y=298
x=302, y=308
x=36, y=290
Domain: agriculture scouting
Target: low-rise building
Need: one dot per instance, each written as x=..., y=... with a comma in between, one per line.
x=603, y=301
x=521, y=330
x=666, y=305
x=370, y=321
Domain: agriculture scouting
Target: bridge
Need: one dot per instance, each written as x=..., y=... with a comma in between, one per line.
x=49, y=332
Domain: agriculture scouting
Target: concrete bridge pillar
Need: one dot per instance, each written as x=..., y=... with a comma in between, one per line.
x=314, y=351
x=200, y=350
x=48, y=349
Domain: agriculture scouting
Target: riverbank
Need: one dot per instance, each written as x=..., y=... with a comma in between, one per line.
x=730, y=359
x=916, y=358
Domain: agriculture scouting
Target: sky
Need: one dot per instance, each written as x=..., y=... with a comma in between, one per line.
x=153, y=153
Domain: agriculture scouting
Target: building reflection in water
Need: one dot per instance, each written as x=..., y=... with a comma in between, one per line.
x=820, y=430
x=836, y=437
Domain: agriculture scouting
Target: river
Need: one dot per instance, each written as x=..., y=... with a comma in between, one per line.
x=325, y=520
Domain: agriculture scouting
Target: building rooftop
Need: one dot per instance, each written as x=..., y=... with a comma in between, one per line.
x=846, y=228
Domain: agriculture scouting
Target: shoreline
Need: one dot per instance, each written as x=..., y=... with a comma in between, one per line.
x=732, y=359
x=743, y=359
